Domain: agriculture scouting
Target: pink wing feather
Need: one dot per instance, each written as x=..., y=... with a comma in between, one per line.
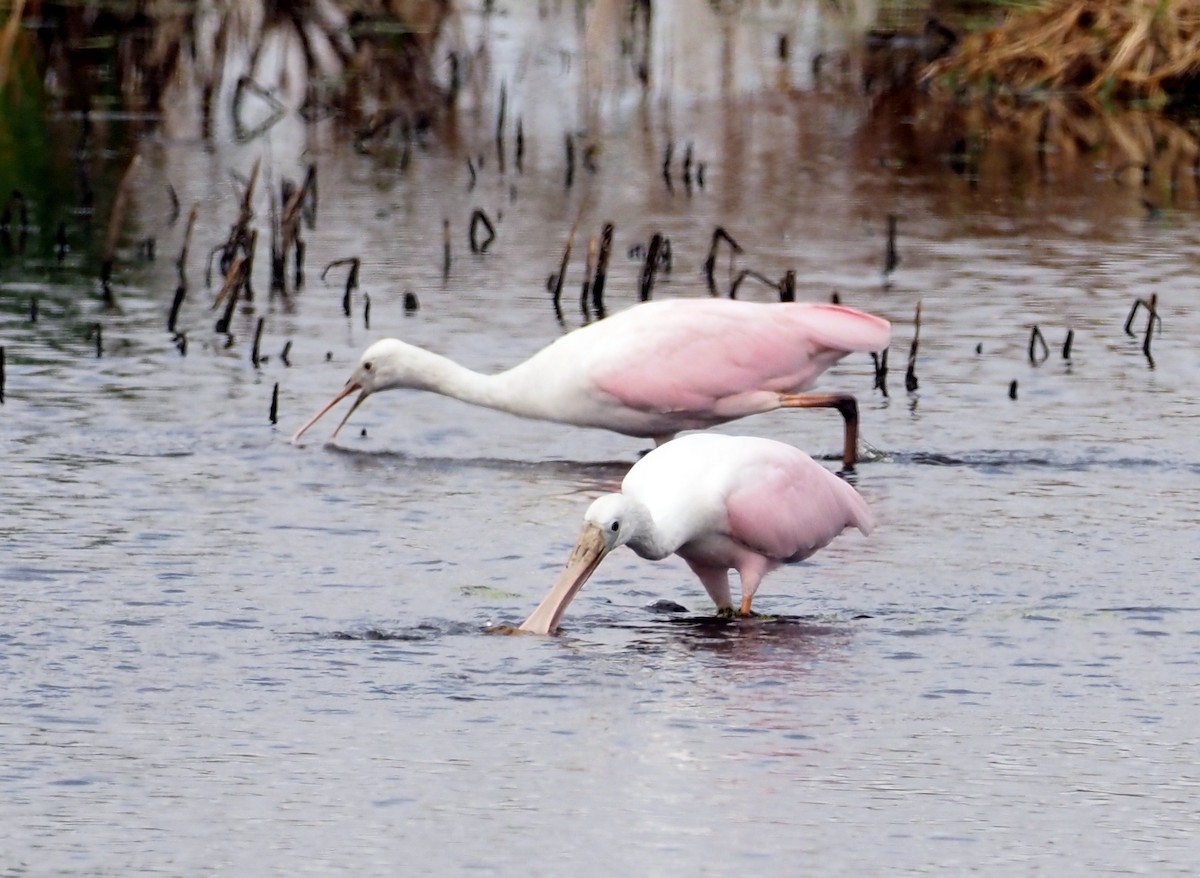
x=787, y=506
x=705, y=350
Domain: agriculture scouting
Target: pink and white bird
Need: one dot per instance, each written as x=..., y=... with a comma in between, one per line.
x=720, y=503
x=652, y=370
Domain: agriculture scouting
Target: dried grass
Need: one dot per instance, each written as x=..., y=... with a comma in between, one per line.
x=1136, y=51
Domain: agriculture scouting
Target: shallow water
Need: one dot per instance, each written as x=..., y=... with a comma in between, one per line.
x=224, y=653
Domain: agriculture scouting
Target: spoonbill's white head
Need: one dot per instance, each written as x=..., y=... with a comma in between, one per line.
x=388, y=364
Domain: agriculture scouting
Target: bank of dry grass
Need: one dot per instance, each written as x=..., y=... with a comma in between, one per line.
x=1141, y=51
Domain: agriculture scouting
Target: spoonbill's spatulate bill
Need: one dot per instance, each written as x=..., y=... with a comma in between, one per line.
x=720, y=503
x=652, y=370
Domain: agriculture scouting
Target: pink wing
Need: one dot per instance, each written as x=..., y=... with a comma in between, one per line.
x=786, y=506
x=685, y=354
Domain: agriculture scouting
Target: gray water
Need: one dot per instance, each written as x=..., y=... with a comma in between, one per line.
x=222, y=653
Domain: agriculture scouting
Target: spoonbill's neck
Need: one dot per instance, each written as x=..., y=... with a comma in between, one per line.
x=503, y=391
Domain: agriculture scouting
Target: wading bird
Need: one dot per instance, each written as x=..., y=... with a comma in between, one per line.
x=720, y=503
x=652, y=370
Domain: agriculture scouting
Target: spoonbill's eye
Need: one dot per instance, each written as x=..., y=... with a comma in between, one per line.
x=615, y=526
x=367, y=366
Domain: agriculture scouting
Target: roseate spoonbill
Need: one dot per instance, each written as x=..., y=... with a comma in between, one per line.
x=652, y=370
x=718, y=502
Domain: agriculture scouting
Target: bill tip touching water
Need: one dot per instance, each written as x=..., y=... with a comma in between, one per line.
x=650, y=371
x=720, y=503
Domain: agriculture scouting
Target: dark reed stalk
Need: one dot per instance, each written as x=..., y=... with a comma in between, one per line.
x=500, y=125
x=255, y=359
x=750, y=273
x=309, y=205
x=285, y=353
x=520, y=147
x=445, y=249
x=274, y=413
x=115, y=220
x=891, y=259
x=230, y=290
x=787, y=286
x=478, y=217
x=33, y=309
x=910, y=374
x=97, y=333
x=570, y=144
x=601, y=276
x=588, y=267
x=1153, y=307
x=1150, y=306
x=471, y=171
x=175, y=207
x=181, y=343
x=1, y=374
x=366, y=310
x=176, y=304
x=351, y=279
x=1066, y=351
x=1036, y=341
x=1012, y=389
x=710, y=263
x=556, y=289
x=411, y=303
x=687, y=169
x=650, y=266
x=666, y=165
x=881, y=371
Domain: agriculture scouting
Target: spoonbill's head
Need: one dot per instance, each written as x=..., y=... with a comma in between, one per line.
x=388, y=364
x=611, y=521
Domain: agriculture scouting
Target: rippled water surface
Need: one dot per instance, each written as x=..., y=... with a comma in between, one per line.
x=222, y=653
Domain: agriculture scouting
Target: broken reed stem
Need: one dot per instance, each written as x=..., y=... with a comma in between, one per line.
x=1, y=374
x=1066, y=351
x=97, y=333
x=1036, y=340
x=181, y=262
x=500, y=125
x=478, y=217
x=891, y=259
x=710, y=263
x=910, y=374
x=570, y=144
x=666, y=165
x=1150, y=327
x=520, y=147
x=1150, y=306
x=173, y=318
x=750, y=273
x=115, y=220
x=274, y=413
x=601, y=276
x=588, y=267
x=445, y=248
x=556, y=291
x=176, y=208
x=255, y=360
x=650, y=267
x=234, y=280
x=351, y=278
x=881, y=370
x=787, y=286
